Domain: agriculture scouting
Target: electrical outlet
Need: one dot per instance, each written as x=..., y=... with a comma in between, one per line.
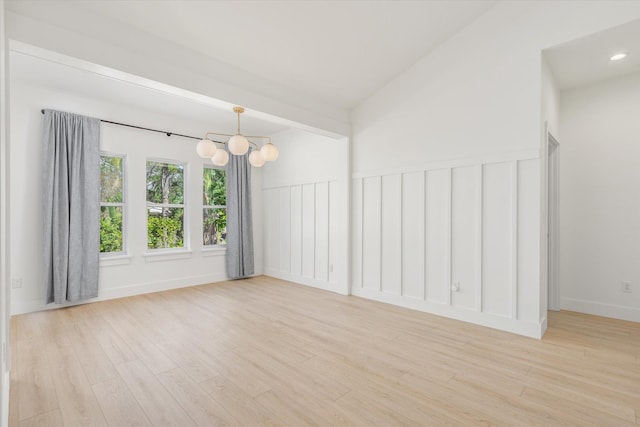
x=626, y=287
x=455, y=287
x=330, y=268
x=16, y=283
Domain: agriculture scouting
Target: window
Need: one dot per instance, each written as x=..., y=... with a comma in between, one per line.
x=165, y=205
x=112, y=207
x=214, y=207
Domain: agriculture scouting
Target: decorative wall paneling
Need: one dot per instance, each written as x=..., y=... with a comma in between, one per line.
x=298, y=232
x=457, y=240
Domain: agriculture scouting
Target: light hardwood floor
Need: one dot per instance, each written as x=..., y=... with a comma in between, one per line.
x=268, y=352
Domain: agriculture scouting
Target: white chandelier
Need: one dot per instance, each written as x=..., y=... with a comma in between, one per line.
x=238, y=145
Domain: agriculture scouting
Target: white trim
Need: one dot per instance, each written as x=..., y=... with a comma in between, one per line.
x=108, y=261
x=29, y=306
x=299, y=183
x=214, y=250
x=165, y=205
x=167, y=255
x=186, y=224
x=448, y=247
x=470, y=160
x=514, y=239
x=601, y=309
x=401, y=236
x=479, y=229
x=553, y=228
x=304, y=280
x=529, y=329
x=124, y=205
x=425, y=235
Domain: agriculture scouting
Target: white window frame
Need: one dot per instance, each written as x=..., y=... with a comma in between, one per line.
x=185, y=217
x=220, y=246
x=124, y=253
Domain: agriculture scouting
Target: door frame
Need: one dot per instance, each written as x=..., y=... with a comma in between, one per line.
x=553, y=216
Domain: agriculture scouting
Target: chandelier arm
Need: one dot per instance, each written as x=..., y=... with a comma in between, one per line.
x=256, y=136
x=218, y=134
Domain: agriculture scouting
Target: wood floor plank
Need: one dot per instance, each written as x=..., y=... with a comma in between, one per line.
x=27, y=327
x=77, y=403
x=116, y=349
x=93, y=359
x=263, y=351
x=48, y=419
x=240, y=405
x=118, y=404
x=204, y=410
x=13, y=399
x=36, y=393
x=159, y=406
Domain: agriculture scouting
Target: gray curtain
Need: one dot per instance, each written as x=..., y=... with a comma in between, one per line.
x=71, y=205
x=239, y=219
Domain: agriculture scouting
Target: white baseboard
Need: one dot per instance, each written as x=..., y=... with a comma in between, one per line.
x=29, y=306
x=520, y=327
x=601, y=309
x=302, y=280
x=6, y=381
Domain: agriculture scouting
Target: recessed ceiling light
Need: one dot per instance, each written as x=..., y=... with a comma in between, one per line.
x=618, y=56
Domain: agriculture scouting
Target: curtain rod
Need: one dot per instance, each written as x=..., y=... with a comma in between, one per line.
x=149, y=129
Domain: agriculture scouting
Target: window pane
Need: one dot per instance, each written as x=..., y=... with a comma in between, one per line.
x=165, y=183
x=215, y=192
x=111, y=179
x=111, y=229
x=214, y=226
x=165, y=227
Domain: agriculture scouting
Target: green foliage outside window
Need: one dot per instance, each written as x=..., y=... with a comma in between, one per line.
x=111, y=229
x=111, y=200
x=165, y=224
x=214, y=216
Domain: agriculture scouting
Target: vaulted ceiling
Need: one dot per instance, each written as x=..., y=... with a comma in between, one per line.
x=338, y=52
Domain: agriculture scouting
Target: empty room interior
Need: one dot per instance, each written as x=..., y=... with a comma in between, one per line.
x=319, y=213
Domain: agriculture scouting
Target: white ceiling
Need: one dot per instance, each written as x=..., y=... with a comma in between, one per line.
x=586, y=60
x=339, y=52
x=43, y=73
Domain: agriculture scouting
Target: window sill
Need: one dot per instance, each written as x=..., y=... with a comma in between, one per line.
x=108, y=261
x=214, y=251
x=167, y=255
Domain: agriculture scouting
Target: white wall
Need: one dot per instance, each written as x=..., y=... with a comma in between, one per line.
x=550, y=96
x=137, y=274
x=5, y=293
x=599, y=203
x=476, y=96
x=306, y=211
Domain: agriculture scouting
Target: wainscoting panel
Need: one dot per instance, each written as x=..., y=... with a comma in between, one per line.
x=357, y=213
x=438, y=236
x=296, y=229
x=301, y=235
x=497, y=229
x=391, y=267
x=458, y=239
x=528, y=271
x=272, y=232
x=371, y=232
x=322, y=232
x=464, y=236
x=309, y=230
x=285, y=231
x=412, y=254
